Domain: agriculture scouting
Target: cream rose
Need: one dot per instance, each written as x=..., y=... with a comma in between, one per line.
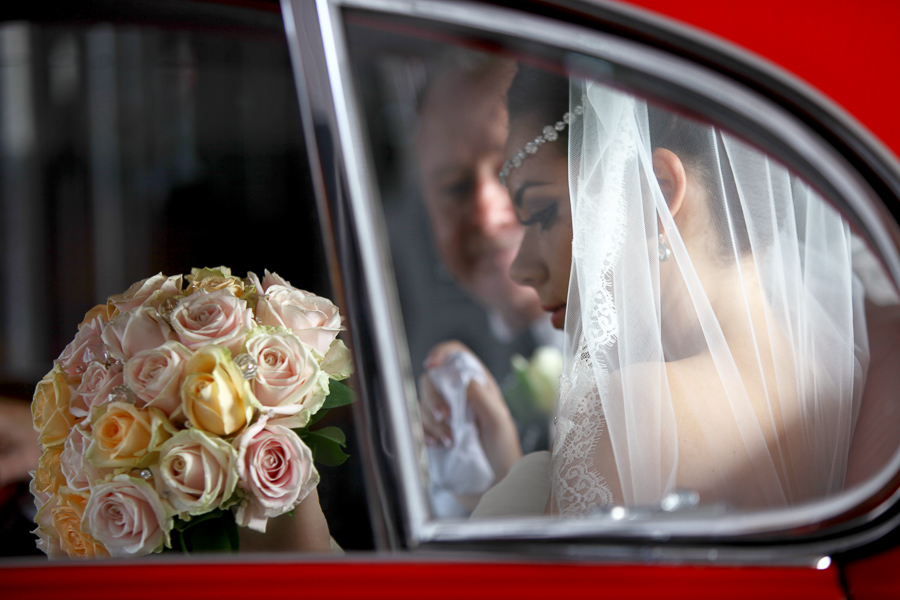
x=50, y=409
x=135, y=331
x=216, y=396
x=211, y=280
x=127, y=516
x=48, y=477
x=67, y=517
x=315, y=320
x=123, y=435
x=95, y=387
x=155, y=376
x=48, y=537
x=153, y=289
x=212, y=318
x=337, y=362
x=276, y=468
x=289, y=379
x=198, y=470
x=98, y=312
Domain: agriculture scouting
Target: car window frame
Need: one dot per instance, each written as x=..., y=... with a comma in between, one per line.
x=360, y=248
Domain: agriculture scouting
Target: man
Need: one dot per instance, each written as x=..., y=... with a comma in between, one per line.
x=460, y=143
x=461, y=137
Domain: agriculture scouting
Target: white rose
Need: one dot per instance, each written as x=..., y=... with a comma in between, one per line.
x=127, y=516
x=155, y=376
x=218, y=317
x=289, y=379
x=314, y=319
x=199, y=470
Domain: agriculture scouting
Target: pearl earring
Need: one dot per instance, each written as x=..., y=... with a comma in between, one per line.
x=664, y=251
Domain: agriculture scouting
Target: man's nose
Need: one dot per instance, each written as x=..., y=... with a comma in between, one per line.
x=492, y=210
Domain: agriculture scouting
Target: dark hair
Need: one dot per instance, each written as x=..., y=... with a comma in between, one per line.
x=543, y=96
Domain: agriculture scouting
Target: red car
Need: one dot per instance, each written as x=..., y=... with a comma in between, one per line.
x=125, y=127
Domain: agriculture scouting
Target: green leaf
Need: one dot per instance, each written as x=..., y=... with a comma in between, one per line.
x=317, y=417
x=332, y=433
x=215, y=531
x=326, y=445
x=338, y=395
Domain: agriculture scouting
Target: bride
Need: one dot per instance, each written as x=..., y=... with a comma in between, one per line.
x=715, y=334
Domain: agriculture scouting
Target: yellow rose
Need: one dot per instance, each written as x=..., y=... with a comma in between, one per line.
x=216, y=396
x=211, y=280
x=67, y=517
x=101, y=310
x=48, y=477
x=50, y=409
x=126, y=436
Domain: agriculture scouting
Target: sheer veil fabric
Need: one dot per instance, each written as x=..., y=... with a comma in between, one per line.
x=727, y=360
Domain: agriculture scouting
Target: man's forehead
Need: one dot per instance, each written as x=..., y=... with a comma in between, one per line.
x=457, y=121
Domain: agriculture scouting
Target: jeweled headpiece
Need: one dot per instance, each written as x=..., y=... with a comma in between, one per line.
x=550, y=133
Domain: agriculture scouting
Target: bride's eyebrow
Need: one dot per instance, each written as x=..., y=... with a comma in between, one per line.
x=517, y=199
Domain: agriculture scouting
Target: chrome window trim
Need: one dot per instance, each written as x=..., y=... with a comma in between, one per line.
x=652, y=63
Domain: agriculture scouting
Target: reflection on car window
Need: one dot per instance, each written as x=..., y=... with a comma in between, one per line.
x=720, y=332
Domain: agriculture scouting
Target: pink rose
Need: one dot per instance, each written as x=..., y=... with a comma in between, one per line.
x=135, y=331
x=155, y=376
x=80, y=474
x=95, y=387
x=315, y=320
x=276, y=468
x=155, y=289
x=86, y=347
x=212, y=318
x=127, y=516
x=289, y=379
x=269, y=279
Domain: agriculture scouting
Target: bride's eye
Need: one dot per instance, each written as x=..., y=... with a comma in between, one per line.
x=545, y=217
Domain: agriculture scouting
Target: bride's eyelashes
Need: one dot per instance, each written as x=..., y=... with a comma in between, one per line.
x=546, y=217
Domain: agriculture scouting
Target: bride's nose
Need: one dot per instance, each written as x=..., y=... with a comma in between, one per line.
x=527, y=268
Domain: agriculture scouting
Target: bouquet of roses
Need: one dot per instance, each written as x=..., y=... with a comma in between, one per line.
x=182, y=409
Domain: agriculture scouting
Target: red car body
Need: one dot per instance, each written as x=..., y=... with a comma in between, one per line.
x=846, y=51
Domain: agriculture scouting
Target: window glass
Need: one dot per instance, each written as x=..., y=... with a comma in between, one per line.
x=131, y=149
x=663, y=312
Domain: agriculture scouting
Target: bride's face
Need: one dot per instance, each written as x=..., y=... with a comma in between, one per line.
x=540, y=193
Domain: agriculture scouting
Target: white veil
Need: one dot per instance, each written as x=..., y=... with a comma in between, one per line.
x=737, y=378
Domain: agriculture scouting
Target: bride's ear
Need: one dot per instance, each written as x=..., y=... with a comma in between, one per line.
x=669, y=171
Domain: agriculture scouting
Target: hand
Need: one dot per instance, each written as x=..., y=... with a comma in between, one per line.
x=19, y=448
x=496, y=428
x=305, y=531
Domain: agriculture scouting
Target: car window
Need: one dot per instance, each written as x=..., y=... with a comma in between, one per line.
x=142, y=140
x=503, y=217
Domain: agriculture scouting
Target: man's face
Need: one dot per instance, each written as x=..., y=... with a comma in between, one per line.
x=461, y=141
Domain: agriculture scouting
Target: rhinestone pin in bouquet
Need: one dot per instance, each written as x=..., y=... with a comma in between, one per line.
x=181, y=410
